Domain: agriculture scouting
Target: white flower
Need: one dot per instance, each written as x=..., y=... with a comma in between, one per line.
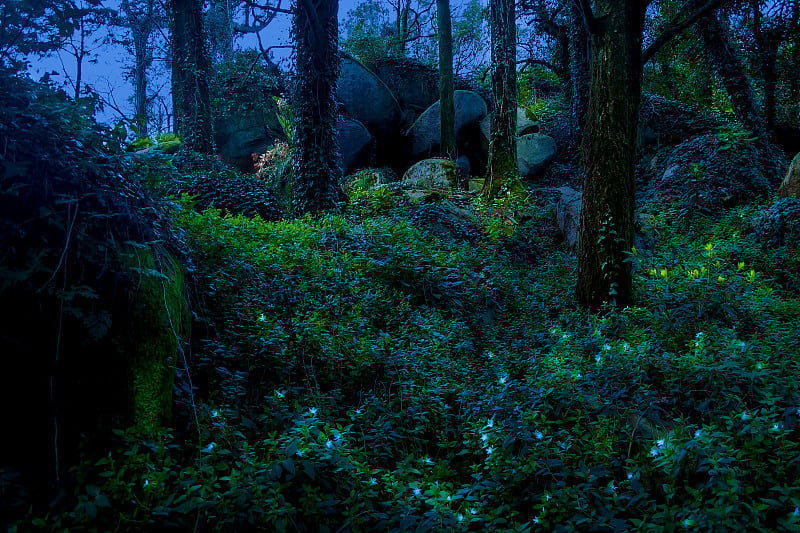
x=210, y=446
x=417, y=492
x=280, y=394
x=630, y=475
x=777, y=426
x=535, y=519
x=606, y=347
x=547, y=497
x=313, y=410
x=654, y=452
x=699, y=335
x=626, y=346
x=597, y=359
x=759, y=366
x=578, y=375
x=262, y=318
x=660, y=443
x=697, y=434
x=742, y=345
x=489, y=450
x=484, y=437
x=214, y=413
x=490, y=355
x=745, y=417
x=503, y=380
x=490, y=423
x=538, y=434
x=373, y=481
x=146, y=482
x=473, y=511
x=299, y=453
x=460, y=517
x=329, y=444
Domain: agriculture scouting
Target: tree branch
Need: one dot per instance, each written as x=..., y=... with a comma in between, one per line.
x=677, y=26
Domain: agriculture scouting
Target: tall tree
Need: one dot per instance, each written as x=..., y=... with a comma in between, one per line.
x=190, y=76
x=609, y=145
x=734, y=77
x=615, y=28
x=142, y=18
x=447, y=112
x=503, y=143
x=316, y=171
x=578, y=47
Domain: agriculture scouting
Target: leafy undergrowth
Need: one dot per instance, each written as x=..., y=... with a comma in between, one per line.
x=358, y=374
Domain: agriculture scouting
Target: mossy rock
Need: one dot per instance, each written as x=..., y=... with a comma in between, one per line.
x=151, y=342
x=709, y=173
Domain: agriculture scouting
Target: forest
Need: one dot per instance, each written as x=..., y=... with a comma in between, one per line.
x=421, y=265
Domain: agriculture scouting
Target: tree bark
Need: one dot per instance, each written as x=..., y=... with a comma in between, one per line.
x=317, y=174
x=731, y=70
x=190, y=72
x=609, y=147
x=578, y=74
x=503, y=143
x=447, y=112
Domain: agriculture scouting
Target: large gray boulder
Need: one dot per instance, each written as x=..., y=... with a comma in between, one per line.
x=367, y=99
x=240, y=135
x=424, y=136
x=355, y=143
x=434, y=173
x=534, y=152
x=524, y=127
x=414, y=84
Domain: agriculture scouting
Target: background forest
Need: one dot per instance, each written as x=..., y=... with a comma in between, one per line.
x=516, y=266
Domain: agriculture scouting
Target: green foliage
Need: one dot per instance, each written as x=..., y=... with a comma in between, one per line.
x=374, y=371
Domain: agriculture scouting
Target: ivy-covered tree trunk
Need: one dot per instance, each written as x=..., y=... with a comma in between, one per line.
x=447, y=111
x=731, y=70
x=190, y=72
x=317, y=174
x=503, y=143
x=609, y=147
x=578, y=74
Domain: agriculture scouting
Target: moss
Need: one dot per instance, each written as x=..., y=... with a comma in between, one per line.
x=158, y=323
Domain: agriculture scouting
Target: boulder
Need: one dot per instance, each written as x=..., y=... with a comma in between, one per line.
x=568, y=215
x=424, y=136
x=355, y=142
x=524, y=125
x=367, y=99
x=414, y=84
x=434, y=173
x=240, y=135
x=534, y=152
x=790, y=187
x=710, y=172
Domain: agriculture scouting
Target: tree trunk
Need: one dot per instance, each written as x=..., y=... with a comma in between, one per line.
x=609, y=147
x=141, y=25
x=731, y=70
x=446, y=99
x=578, y=74
x=316, y=170
x=190, y=71
x=503, y=144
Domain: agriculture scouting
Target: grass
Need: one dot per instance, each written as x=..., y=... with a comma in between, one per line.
x=356, y=372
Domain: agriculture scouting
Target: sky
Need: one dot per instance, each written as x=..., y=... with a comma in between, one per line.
x=106, y=73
